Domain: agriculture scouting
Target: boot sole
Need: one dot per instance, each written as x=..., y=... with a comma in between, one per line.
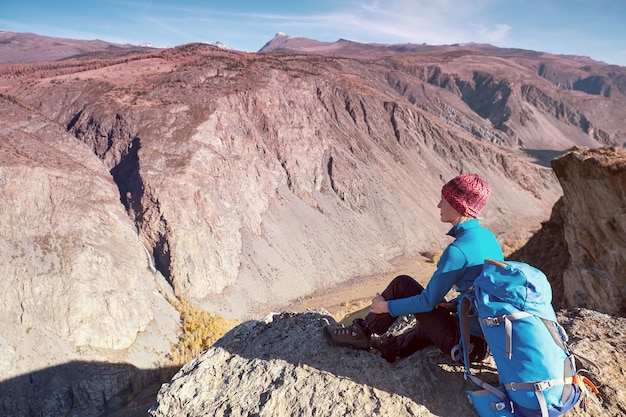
x=328, y=336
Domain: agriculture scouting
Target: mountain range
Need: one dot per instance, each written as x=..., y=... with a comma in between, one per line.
x=242, y=182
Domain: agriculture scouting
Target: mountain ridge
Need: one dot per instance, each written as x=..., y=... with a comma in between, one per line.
x=24, y=48
x=285, y=42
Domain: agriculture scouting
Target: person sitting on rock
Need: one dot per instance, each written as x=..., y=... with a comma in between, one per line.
x=462, y=199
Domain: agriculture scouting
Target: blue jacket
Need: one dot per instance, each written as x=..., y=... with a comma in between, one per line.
x=460, y=263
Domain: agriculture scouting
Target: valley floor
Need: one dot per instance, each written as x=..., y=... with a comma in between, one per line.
x=356, y=294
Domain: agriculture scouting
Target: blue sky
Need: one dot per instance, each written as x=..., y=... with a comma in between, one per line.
x=595, y=28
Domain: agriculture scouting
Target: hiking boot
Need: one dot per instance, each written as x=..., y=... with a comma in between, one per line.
x=353, y=336
x=386, y=346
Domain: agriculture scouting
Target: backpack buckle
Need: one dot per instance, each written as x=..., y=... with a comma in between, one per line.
x=543, y=385
x=499, y=406
x=492, y=321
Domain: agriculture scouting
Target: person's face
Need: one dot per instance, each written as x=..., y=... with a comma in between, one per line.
x=447, y=213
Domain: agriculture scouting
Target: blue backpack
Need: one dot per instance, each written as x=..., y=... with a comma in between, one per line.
x=537, y=372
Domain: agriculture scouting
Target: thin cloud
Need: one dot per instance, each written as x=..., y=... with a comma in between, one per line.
x=430, y=21
x=173, y=28
x=497, y=35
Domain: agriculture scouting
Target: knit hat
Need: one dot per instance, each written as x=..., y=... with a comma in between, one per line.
x=467, y=193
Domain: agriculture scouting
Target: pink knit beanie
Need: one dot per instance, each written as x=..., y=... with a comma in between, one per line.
x=467, y=193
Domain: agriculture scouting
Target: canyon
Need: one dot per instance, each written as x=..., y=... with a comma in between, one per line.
x=243, y=182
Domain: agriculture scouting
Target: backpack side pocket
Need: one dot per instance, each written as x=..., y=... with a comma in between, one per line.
x=488, y=404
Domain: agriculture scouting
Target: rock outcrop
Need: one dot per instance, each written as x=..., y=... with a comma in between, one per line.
x=283, y=367
x=594, y=194
x=582, y=248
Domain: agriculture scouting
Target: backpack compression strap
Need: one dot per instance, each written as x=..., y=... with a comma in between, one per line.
x=508, y=327
x=466, y=314
x=541, y=386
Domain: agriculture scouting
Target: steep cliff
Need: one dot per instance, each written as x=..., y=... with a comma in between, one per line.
x=79, y=295
x=581, y=248
x=594, y=194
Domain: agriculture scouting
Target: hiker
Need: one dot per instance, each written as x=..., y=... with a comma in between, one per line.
x=462, y=199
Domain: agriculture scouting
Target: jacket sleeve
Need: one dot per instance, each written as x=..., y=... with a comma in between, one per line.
x=450, y=268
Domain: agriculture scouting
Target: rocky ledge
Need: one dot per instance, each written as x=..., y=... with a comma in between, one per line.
x=282, y=366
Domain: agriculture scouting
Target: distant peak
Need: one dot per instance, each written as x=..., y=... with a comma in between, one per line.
x=222, y=45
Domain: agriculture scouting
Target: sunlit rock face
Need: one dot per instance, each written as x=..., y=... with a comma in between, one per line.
x=594, y=223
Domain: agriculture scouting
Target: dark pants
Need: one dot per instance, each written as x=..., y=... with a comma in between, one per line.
x=436, y=327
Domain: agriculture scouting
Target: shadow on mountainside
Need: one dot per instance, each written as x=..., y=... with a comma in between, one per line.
x=80, y=389
x=544, y=156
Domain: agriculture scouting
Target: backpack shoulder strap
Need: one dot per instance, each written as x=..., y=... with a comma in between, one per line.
x=466, y=310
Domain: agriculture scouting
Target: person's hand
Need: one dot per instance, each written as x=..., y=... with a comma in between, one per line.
x=450, y=307
x=379, y=305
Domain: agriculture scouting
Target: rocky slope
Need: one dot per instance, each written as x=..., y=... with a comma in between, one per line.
x=246, y=175
x=245, y=181
x=282, y=367
x=539, y=102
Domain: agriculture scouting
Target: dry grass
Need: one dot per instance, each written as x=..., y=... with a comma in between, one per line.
x=200, y=329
